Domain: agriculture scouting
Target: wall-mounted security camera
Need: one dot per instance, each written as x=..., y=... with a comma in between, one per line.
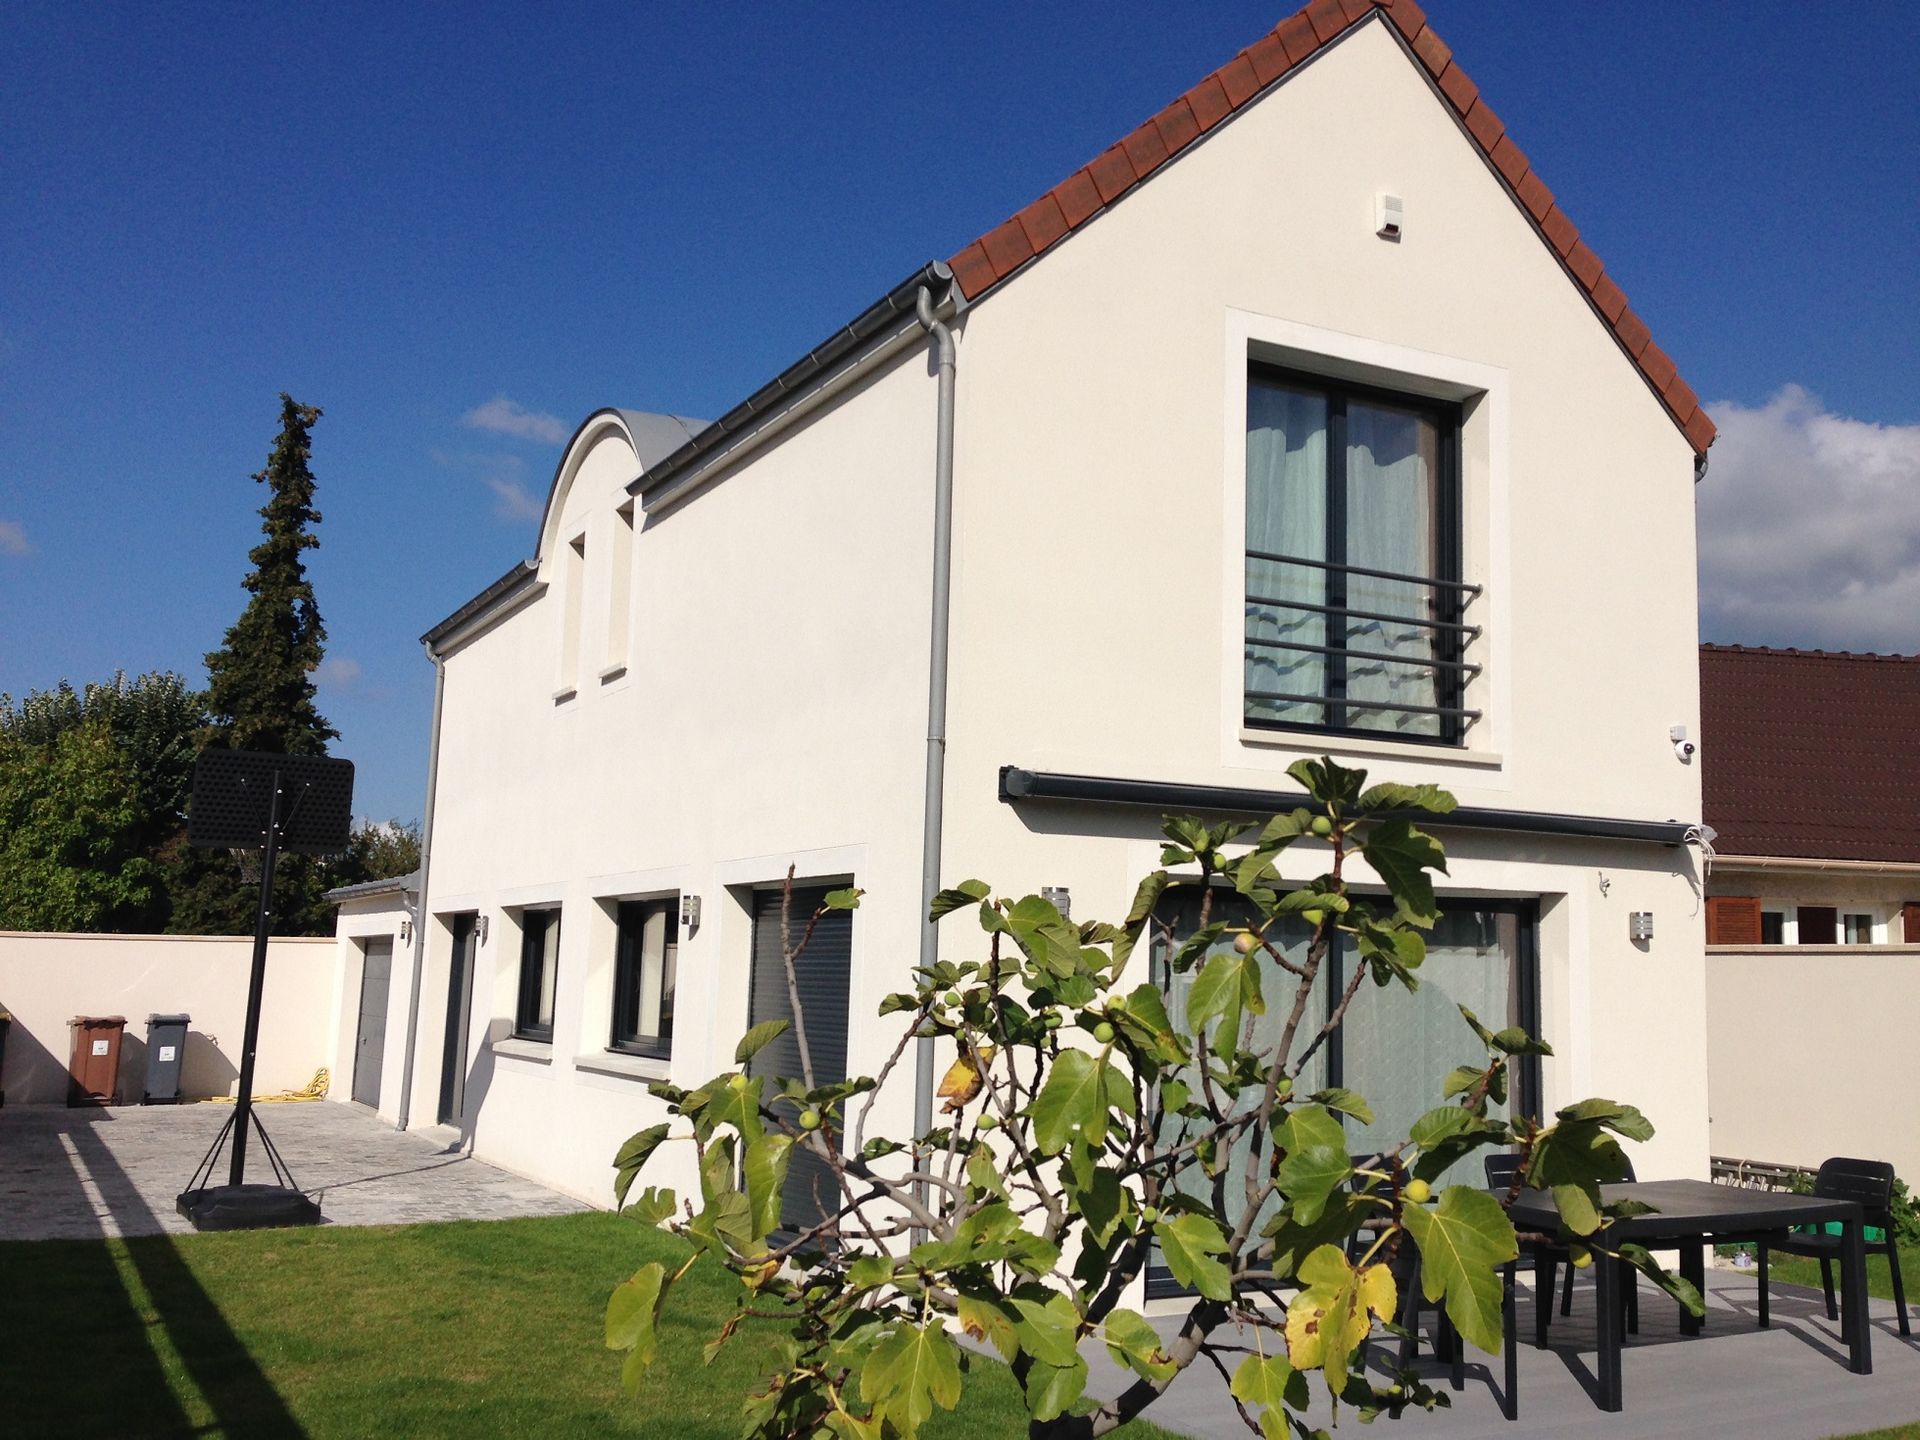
x=1683, y=748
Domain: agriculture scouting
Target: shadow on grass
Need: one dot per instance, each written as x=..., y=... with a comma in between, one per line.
x=113, y=1339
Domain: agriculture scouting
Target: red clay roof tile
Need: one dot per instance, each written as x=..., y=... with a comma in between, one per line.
x=1116, y=170
x=1609, y=298
x=1510, y=160
x=1007, y=247
x=1561, y=232
x=1810, y=754
x=1043, y=222
x=1296, y=33
x=1433, y=52
x=1077, y=196
x=1585, y=265
x=1535, y=195
x=1112, y=174
x=1632, y=332
x=1209, y=103
x=1327, y=19
x=1238, y=79
x=1177, y=126
x=1485, y=126
x=1408, y=17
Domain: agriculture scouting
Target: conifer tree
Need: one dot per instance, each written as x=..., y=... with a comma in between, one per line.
x=261, y=691
x=261, y=696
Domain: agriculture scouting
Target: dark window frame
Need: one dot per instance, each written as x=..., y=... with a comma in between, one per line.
x=1528, y=1089
x=535, y=922
x=630, y=918
x=1451, y=593
x=1773, y=927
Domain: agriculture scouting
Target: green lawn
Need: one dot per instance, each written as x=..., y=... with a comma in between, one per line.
x=466, y=1328
x=1792, y=1270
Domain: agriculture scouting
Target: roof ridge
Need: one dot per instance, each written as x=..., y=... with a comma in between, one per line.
x=1800, y=654
x=1101, y=182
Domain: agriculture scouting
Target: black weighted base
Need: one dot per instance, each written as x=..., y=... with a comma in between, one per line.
x=247, y=1207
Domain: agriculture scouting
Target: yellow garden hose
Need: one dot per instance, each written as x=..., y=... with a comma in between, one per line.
x=314, y=1089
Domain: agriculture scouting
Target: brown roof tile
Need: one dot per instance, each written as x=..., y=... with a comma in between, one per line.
x=1811, y=754
x=1080, y=197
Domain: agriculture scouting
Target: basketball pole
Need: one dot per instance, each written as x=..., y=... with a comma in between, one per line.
x=243, y=1104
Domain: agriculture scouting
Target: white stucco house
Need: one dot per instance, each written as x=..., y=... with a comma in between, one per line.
x=1300, y=421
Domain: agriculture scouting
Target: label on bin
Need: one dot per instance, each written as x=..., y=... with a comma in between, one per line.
x=166, y=1053
x=99, y=1047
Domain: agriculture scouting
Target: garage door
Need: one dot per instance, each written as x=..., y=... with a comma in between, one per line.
x=822, y=974
x=371, y=1046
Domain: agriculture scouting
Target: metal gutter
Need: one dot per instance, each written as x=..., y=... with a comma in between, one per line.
x=420, y=891
x=891, y=317
x=366, y=889
x=1017, y=785
x=1762, y=864
x=933, y=815
x=506, y=585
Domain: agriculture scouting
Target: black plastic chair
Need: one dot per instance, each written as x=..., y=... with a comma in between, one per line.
x=1547, y=1257
x=1869, y=1184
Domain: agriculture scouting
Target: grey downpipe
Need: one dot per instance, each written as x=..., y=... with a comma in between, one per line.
x=936, y=689
x=420, y=896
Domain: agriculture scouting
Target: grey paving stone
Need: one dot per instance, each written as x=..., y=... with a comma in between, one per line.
x=81, y=1174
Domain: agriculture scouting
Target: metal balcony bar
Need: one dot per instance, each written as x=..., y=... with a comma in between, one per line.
x=1462, y=665
x=1457, y=586
x=1472, y=632
x=1349, y=703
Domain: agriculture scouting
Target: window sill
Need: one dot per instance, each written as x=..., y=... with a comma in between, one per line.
x=565, y=693
x=613, y=673
x=631, y=1067
x=1309, y=742
x=520, y=1048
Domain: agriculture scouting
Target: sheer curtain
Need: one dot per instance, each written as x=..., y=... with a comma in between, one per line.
x=1397, y=1047
x=1286, y=515
x=1392, y=493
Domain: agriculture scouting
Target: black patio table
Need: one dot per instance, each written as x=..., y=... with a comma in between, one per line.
x=1686, y=1215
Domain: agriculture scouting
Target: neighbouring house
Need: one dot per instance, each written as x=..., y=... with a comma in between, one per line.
x=1811, y=777
x=1300, y=421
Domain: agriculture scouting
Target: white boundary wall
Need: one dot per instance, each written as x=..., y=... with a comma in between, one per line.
x=46, y=980
x=1810, y=1054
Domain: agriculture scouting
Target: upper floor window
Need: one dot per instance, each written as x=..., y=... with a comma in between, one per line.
x=1859, y=929
x=1355, y=609
x=539, y=965
x=644, y=975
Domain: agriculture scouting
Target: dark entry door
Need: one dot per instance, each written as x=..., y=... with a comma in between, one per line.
x=370, y=1048
x=453, y=1059
x=822, y=973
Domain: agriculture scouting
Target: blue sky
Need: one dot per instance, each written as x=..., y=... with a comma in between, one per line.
x=403, y=214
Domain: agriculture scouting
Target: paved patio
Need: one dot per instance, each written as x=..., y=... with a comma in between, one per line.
x=81, y=1174
x=1787, y=1383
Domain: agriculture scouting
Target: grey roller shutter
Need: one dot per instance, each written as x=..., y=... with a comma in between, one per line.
x=822, y=976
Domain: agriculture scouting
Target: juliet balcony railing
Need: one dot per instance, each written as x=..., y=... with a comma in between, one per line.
x=1342, y=654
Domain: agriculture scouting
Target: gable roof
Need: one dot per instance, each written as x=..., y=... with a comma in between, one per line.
x=1104, y=181
x=1811, y=754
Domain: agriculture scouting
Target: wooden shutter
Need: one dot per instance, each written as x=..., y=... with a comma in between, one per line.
x=1819, y=925
x=1910, y=917
x=1733, y=920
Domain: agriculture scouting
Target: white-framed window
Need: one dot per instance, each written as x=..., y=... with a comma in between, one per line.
x=1857, y=928
x=1773, y=927
x=619, y=593
x=573, y=579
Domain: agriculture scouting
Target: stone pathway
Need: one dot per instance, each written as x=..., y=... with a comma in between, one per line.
x=82, y=1174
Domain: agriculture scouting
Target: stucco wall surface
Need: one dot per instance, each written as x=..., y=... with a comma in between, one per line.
x=46, y=980
x=1811, y=1055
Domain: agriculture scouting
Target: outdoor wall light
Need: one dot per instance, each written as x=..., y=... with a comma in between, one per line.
x=406, y=931
x=689, y=913
x=1060, y=898
x=1640, y=925
x=483, y=929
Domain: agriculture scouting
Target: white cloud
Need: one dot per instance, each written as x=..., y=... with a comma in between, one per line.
x=503, y=474
x=13, y=538
x=1810, y=528
x=508, y=417
x=338, y=672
